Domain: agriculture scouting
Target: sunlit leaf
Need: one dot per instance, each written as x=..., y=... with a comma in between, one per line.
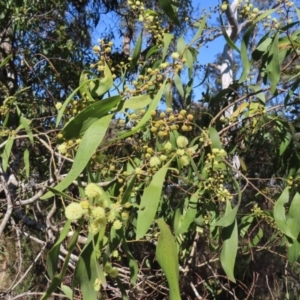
x=166, y=41
x=214, y=137
x=200, y=30
x=6, y=152
x=149, y=202
x=78, y=126
x=167, y=257
x=229, y=249
x=89, y=143
x=26, y=162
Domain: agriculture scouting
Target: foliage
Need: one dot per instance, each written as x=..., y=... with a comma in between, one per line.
x=144, y=199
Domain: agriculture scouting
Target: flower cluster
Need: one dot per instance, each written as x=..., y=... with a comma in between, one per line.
x=97, y=210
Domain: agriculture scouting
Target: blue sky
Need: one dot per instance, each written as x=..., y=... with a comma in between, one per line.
x=109, y=22
x=207, y=54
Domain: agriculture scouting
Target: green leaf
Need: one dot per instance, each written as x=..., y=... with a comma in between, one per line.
x=178, y=84
x=273, y=68
x=100, y=86
x=6, y=60
x=285, y=143
x=230, y=213
x=52, y=257
x=279, y=213
x=214, y=137
x=200, y=30
x=26, y=124
x=293, y=223
x=260, y=96
x=26, y=162
x=168, y=94
x=67, y=291
x=227, y=37
x=167, y=257
x=59, y=193
x=87, y=271
x=190, y=214
x=147, y=116
x=293, y=252
x=152, y=50
x=167, y=7
x=77, y=126
x=67, y=101
x=149, y=202
x=136, y=52
x=89, y=143
x=57, y=279
x=137, y=102
x=229, y=249
x=181, y=45
x=6, y=152
x=84, y=90
x=166, y=41
x=134, y=269
x=245, y=44
x=189, y=58
x=229, y=216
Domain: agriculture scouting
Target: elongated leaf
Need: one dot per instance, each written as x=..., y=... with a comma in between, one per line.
x=228, y=218
x=26, y=124
x=90, y=141
x=245, y=43
x=293, y=215
x=239, y=110
x=84, y=90
x=132, y=262
x=229, y=249
x=279, y=213
x=6, y=152
x=137, y=102
x=77, y=126
x=214, y=137
x=230, y=213
x=86, y=272
x=178, y=84
x=273, y=68
x=285, y=143
x=200, y=30
x=293, y=252
x=181, y=45
x=149, y=202
x=146, y=117
x=190, y=214
x=99, y=87
x=167, y=7
x=52, y=257
x=6, y=60
x=136, y=52
x=167, y=257
x=153, y=50
x=168, y=94
x=57, y=279
x=67, y=101
x=227, y=37
x=166, y=40
x=26, y=162
x=67, y=291
x=59, y=193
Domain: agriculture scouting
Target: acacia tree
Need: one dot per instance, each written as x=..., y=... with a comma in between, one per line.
x=131, y=190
